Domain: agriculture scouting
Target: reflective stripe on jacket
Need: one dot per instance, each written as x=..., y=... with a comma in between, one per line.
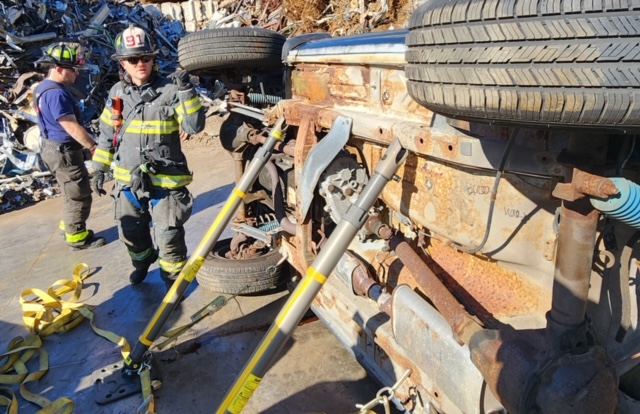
x=147, y=125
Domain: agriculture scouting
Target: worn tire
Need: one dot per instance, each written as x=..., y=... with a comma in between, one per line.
x=244, y=47
x=223, y=275
x=533, y=62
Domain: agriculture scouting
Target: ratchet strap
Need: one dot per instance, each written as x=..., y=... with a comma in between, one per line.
x=45, y=313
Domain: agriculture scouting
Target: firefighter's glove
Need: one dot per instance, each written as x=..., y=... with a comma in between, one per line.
x=182, y=79
x=97, y=183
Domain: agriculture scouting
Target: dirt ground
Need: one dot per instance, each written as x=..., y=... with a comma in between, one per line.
x=206, y=142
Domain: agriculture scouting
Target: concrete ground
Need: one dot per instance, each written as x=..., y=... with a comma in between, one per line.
x=313, y=374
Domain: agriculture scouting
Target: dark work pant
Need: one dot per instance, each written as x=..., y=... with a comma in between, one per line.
x=168, y=211
x=72, y=175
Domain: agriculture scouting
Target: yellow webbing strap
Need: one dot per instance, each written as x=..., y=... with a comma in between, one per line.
x=45, y=313
x=148, y=401
x=209, y=309
x=7, y=399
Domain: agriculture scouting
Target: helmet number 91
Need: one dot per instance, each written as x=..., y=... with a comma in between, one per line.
x=133, y=40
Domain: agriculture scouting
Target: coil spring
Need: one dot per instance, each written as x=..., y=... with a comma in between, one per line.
x=624, y=206
x=270, y=226
x=260, y=99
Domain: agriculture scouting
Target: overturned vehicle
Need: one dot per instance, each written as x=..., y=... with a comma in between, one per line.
x=498, y=265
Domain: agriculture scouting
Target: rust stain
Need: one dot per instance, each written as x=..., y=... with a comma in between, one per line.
x=414, y=380
x=311, y=85
x=498, y=291
x=449, y=150
x=349, y=83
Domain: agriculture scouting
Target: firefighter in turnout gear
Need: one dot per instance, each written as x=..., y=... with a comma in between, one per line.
x=145, y=154
x=64, y=142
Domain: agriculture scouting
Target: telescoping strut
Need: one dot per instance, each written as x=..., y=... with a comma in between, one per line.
x=300, y=301
x=137, y=359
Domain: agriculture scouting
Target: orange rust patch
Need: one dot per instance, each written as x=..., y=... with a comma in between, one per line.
x=499, y=292
x=415, y=378
x=310, y=85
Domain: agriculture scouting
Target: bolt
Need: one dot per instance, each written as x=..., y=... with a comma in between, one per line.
x=348, y=192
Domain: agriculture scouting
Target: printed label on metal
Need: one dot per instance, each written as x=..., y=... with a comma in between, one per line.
x=241, y=400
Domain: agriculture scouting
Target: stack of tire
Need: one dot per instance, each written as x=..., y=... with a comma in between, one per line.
x=205, y=52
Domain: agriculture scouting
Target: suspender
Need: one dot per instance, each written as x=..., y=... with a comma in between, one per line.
x=37, y=102
x=38, y=96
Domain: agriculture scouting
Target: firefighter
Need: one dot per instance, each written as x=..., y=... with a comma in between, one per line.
x=145, y=153
x=64, y=140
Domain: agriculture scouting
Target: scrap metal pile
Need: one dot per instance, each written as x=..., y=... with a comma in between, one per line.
x=345, y=17
x=27, y=26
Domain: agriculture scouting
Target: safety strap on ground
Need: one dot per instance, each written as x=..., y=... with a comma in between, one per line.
x=209, y=309
x=45, y=313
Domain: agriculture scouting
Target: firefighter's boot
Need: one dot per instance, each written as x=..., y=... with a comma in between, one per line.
x=169, y=279
x=141, y=268
x=90, y=242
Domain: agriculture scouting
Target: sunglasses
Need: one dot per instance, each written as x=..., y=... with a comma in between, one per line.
x=136, y=59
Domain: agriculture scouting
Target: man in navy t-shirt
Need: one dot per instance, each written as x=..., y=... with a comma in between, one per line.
x=63, y=143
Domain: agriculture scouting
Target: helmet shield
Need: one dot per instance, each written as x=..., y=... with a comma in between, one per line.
x=133, y=41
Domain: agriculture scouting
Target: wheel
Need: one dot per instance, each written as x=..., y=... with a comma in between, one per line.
x=244, y=47
x=242, y=276
x=533, y=62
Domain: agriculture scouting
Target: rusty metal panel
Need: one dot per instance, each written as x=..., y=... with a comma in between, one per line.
x=311, y=85
x=454, y=202
x=418, y=326
x=372, y=90
x=501, y=293
x=381, y=125
x=367, y=333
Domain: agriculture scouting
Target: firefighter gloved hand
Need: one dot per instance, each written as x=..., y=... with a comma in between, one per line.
x=97, y=183
x=182, y=79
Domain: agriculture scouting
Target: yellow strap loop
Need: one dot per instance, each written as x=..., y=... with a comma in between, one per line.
x=45, y=313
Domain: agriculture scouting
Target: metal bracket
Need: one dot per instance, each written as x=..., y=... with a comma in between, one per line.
x=319, y=158
x=252, y=232
x=111, y=383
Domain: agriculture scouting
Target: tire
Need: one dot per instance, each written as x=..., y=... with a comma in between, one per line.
x=534, y=62
x=257, y=275
x=243, y=47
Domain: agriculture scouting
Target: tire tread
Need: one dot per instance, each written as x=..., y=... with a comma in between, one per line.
x=574, y=63
x=231, y=48
x=241, y=276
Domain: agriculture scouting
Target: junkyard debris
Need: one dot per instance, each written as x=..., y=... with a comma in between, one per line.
x=30, y=25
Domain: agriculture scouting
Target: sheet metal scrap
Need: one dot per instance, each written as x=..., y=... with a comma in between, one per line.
x=24, y=190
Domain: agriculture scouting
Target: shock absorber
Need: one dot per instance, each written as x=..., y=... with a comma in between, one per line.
x=624, y=206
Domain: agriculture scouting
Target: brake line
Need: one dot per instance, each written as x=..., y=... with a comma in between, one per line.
x=494, y=194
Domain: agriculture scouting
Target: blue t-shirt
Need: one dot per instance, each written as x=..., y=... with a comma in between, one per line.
x=53, y=105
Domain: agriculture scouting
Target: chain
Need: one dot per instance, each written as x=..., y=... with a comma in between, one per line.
x=383, y=396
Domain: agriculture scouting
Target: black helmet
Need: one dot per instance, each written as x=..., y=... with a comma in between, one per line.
x=62, y=54
x=133, y=41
